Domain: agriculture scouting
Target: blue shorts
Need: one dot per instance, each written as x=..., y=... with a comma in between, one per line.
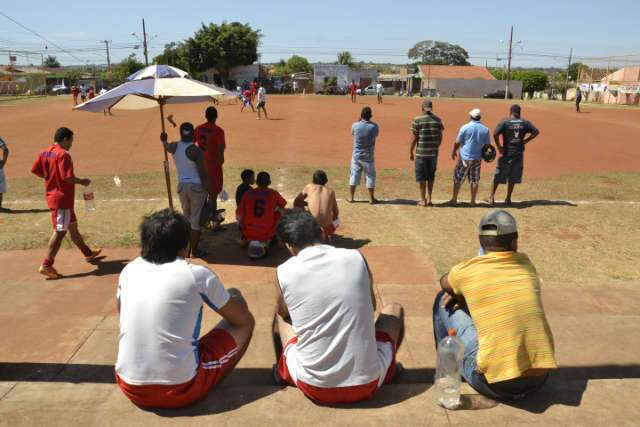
x=426, y=168
x=369, y=168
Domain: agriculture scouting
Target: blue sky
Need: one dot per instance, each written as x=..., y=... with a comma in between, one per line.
x=380, y=31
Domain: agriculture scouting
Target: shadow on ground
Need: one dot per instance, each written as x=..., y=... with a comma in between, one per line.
x=514, y=205
x=103, y=268
x=22, y=211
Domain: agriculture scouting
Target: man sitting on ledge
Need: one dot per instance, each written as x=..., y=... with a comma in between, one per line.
x=333, y=351
x=161, y=362
x=493, y=302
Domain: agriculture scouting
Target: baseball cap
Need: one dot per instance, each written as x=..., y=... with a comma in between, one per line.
x=186, y=131
x=475, y=113
x=427, y=105
x=503, y=222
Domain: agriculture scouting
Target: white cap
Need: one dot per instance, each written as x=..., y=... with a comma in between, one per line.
x=475, y=113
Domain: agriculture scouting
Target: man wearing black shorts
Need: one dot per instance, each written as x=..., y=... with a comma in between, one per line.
x=427, y=137
x=516, y=132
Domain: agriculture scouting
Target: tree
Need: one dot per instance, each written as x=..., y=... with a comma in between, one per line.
x=498, y=73
x=345, y=58
x=295, y=64
x=73, y=76
x=121, y=71
x=575, y=68
x=532, y=81
x=51, y=62
x=221, y=46
x=174, y=55
x=438, y=53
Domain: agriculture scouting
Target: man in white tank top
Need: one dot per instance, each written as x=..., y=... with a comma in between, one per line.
x=331, y=348
x=193, y=183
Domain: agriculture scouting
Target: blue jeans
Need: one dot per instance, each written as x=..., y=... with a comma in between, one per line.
x=460, y=320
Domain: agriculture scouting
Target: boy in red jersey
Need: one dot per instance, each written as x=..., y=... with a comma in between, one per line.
x=55, y=166
x=259, y=212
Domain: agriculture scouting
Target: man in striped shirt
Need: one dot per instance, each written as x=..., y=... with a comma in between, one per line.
x=427, y=137
x=493, y=302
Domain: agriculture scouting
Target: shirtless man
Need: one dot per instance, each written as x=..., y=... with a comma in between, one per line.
x=321, y=202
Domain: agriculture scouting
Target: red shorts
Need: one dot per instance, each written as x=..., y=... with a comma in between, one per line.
x=61, y=218
x=329, y=230
x=336, y=395
x=218, y=355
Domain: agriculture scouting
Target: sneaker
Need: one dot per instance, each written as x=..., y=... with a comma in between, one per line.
x=49, y=272
x=93, y=256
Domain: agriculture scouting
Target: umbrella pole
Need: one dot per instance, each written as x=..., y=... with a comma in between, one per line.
x=165, y=164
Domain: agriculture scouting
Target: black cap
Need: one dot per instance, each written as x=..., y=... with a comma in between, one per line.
x=186, y=132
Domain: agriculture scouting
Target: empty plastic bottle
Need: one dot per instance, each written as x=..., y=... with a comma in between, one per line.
x=89, y=200
x=447, y=381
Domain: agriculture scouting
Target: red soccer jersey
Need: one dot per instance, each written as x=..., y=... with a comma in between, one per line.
x=352, y=88
x=92, y=94
x=258, y=215
x=247, y=94
x=55, y=165
x=210, y=137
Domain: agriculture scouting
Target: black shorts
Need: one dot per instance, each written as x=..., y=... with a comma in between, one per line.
x=261, y=104
x=426, y=168
x=509, y=169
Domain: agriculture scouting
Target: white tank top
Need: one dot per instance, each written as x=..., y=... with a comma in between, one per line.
x=328, y=294
x=187, y=169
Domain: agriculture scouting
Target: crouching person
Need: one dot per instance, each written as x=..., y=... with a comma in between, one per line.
x=161, y=363
x=332, y=350
x=493, y=302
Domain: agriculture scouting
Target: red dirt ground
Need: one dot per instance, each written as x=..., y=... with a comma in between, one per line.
x=315, y=131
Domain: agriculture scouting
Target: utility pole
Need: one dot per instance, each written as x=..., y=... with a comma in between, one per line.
x=566, y=85
x=144, y=42
x=506, y=92
x=106, y=44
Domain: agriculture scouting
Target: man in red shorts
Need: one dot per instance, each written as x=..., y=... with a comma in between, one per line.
x=55, y=166
x=161, y=362
x=328, y=345
x=353, y=91
x=210, y=139
x=259, y=212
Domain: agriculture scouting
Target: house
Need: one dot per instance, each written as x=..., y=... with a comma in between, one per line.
x=461, y=81
x=343, y=74
x=620, y=87
x=241, y=75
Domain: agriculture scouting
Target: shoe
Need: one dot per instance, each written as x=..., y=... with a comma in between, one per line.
x=49, y=272
x=93, y=256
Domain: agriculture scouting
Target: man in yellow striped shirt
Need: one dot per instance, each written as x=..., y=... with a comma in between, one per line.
x=493, y=301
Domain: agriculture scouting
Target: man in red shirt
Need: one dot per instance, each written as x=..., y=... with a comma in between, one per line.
x=209, y=137
x=352, y=90
x=55, y=166
x=74, y=92
x=92, y=93
x=246, y=101
x=259, y=211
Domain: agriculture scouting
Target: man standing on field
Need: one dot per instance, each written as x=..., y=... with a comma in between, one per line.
x=210, y=139
x=515, y=132
x=379, y=92
x=353, y=91
x=55, y=166
x=427, y=137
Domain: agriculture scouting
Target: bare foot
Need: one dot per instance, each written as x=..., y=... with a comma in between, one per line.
x=491, y=201
x=452, y=202
x=350, y=200
x=423, y=203
x=374, y=201
x=507, y=202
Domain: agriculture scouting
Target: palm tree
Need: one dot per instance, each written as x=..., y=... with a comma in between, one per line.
x=345, y=58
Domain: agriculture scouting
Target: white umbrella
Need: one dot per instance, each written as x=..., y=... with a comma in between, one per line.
x=152, y=86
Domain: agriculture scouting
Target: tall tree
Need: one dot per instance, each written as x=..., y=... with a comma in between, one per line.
x=295, y=64
x=532, y=81
x=174, y=55
x=51, y=62
x=221, y=46
x=345, y=58
x=122, y=70
x=575, y=68
x=438, y=53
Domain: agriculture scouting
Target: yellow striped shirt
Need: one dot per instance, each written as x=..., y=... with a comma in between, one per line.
x=502, y=292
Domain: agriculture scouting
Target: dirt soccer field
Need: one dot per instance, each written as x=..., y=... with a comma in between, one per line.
x=316, y=131
x=578, y=217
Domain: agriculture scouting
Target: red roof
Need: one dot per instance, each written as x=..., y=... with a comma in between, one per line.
x=470, y=72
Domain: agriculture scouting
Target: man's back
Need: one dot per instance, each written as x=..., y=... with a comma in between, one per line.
x=328, y=294
x=321, y=202
x=472, y=137
x=54, y=164
x=364, y=139
x=502, y=292
x=258, y=212
x=209, y=137
x=160, y=316
x=428, y=128
x=513, y=130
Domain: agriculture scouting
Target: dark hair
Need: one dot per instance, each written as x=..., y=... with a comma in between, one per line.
x=515, y=110
x=186, y=132
x=299, y=229
x=320, y=177
x=366, y=113
x=502, y=243
x=162, y=235
x=62, y=134
x=211, y=113
x=246, y=175
x=263, y=179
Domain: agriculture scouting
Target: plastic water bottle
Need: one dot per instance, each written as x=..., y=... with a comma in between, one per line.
x=89, y=201
x=447, y=381
x=224, y=196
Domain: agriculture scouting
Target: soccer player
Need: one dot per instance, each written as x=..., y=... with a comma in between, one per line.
x=161, y=362
x=260, y=210
x=3, y=178
x=321, y=202
x=578, y=99
x=353, y=91
x=332, y=350
x=209, y=138
x=55, y=166
x=427, y=136
x=246, y=101
x=262, y=102
x=379, y=92
x=74, y=92
x=364, y=134
x=516, y=133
